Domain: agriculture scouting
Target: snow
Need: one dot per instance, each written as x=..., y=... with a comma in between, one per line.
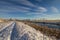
x=5, y=32
x=21, y=31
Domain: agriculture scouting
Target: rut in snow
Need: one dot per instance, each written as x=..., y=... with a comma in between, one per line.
x=21, y=31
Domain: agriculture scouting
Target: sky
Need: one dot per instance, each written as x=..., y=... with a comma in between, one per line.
x=30, y=9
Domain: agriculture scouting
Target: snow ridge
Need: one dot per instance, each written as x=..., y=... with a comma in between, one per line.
x=21, y=31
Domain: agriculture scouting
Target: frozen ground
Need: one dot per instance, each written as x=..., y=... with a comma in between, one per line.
x=21, y=31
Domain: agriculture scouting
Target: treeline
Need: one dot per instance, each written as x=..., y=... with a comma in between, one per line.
x=45, y=30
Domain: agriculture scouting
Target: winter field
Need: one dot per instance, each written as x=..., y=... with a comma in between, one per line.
x=14, y=30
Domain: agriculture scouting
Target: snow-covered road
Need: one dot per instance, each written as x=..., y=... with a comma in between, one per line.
x=21, y=31
x=6, y=31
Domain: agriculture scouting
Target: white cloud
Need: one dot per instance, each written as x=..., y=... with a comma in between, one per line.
x=7, y=6
x=34, y=13
x=14, y=8
x=25, y=2
x=42, y=9
x=55, y=10
x=11, y=7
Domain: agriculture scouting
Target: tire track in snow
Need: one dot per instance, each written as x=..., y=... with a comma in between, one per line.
x=6, y=32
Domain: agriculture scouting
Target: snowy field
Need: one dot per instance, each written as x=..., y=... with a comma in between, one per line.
x=20, y=31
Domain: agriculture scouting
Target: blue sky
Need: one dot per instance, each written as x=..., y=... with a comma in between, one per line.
x=30, y=9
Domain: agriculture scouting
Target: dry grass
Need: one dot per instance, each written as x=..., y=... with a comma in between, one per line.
x=45, y=30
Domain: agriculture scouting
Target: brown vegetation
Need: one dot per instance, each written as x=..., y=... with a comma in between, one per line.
x=45, y=30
